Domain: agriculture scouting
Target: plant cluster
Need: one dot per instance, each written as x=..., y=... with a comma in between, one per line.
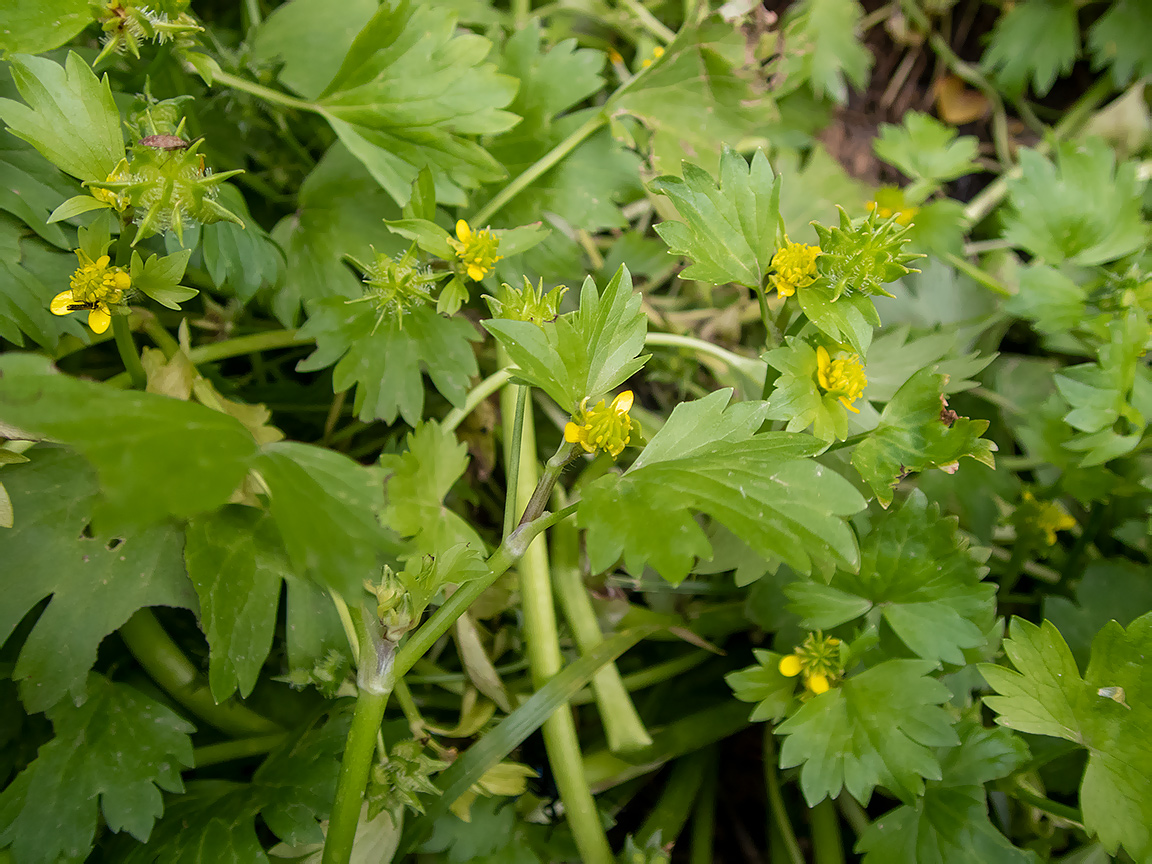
x=338, y=525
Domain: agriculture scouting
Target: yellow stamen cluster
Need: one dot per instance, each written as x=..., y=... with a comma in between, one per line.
x=842, y=376
x=904, y=215
x=94, y=286
x=795, y=265
x=817, y=660
x=1049, y=517
x=605, y=427
x=476, y=249
x=118, y=200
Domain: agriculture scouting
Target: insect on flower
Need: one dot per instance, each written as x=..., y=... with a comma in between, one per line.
x=165, y=142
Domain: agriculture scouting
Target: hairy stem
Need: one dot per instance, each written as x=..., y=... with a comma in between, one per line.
x=163, y=660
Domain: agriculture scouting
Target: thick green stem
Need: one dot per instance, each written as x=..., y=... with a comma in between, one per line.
x=163, y=660
x=622, y=725
x=542, y=640
x=1047, y=805
x=704, y=818
x=475, y=396
x=539, y=167
x=652, y=675
x=826, y=840
x=127, y=348
x=778, y=813
x=512, y=450
x=242, y=748
x=668, y=817
x=375, y=677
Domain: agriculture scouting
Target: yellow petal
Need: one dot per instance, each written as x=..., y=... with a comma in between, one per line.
x=622, y=404
x=817, y=683
x=103, y=261
x=849, y=405
x=571, y=432
x=99, y=319
x=790, y=666
x=823, y=361
x=476, y=272
x=61, y=302
x=122, y=281
x=463, y=232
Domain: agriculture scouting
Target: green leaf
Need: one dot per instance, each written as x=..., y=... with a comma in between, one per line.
x=384, y=359
x=243, y=258
x=236, y=563
x=338, y=214
x=76, y=206
x=824, y=48
x=1116, y=39
x=914, y=435
x=1082, y=209
x=120, y=747
x=762, y=488
x=926, y=150
x=1112, y=589
x=729, y=231
x=154, y=456
x=70, y=116
x=874, y=729
x=1037, y=39
x=410, y=89
x=309, y=42
x=24, y=296
x=917, y=572
x=214, y=821
x=1049, y=299
x=897, y=355
x=427, y=234
x=33, y=28
x=797, y=397
x=764, y=684
x=1047, y=696
x=847, y=318
x=585, y=353
x=326, y=507
x=416, y=484
x=96, y=580
x=159, y=278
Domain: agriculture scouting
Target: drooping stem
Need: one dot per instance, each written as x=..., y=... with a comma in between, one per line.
x=622, y=725
x=375, y=676
x=163, y=660
x=542, y=640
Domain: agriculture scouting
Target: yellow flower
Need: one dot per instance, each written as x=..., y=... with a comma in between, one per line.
x=95, y=286
x=818, y=660
x=795, y=265
x=476, y=249
x=657, y=53
x=843, y=377
x=1049, y=517
x=507, y=779
x=603, y=427
x=116, y=199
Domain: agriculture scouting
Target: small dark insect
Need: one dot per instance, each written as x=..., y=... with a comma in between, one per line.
x=165, y=142
x=91, y=305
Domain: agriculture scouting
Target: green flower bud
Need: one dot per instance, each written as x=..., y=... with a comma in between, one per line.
x=396, y=285
x=398, y=781
x=529, y=304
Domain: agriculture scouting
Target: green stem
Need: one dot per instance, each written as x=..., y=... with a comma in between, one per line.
x=674, y=340
x=704, y=818
x=542, y=640
x=978, y=275
x=1047, y=805
x=265, y=93
x=375, y=677
x=213, y=351
x=826, y=840
x=512, y=450
x=539, y=167
x=163, y=660
x=622, y=725
x=127, y=348
x=159, y=336
x=776, y=798
x=853, y=814
x=241, y=748
x=671, y=812
x=475, y=396
x=651, y=676
x=649, y=21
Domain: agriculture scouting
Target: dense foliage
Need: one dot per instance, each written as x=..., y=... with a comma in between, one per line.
x=455, y=432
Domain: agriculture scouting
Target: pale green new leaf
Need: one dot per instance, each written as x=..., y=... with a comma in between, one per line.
x=1117, y=39
x=763, y=488
x=918, y=573
x=110, y=757
x=729, y=231
x=236, y=562
x=96, y=580
x=584, y=353
x=70, y=116
x=1082, y=209
x=159, y=277
x=1107, y=711
x=914, y=434
x=877, y=728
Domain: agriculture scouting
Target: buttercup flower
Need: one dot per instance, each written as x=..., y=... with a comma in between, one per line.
x=95, y=286
x=817, y=660
x=795, y=265
x=1049, y=517
x=603, y=427
x=476, y=249
x=843, y=376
